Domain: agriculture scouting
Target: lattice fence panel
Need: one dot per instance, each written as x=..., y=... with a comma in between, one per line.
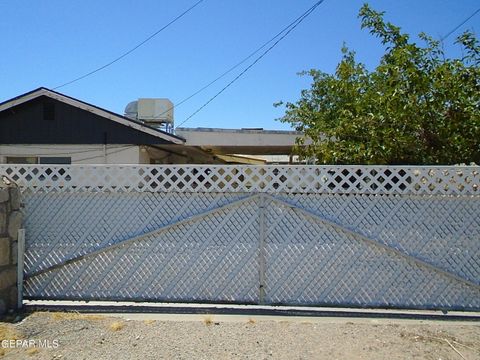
x=311, y=263
x=209, y=259
x=197, y=234
x=441, y=230
x=269, y=179
x=61, y=226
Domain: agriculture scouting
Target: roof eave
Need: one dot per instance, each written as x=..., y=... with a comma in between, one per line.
x=91, y=108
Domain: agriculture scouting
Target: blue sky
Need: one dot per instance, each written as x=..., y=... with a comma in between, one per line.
x=47, y=43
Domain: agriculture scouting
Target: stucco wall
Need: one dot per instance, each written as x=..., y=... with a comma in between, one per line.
x=237, y=137
x=80, y=154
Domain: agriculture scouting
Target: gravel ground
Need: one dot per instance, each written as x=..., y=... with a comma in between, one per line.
x=210, y=337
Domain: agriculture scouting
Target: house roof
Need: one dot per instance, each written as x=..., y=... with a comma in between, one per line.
x=42, y=91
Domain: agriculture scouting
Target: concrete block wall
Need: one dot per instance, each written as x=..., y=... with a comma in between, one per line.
x=10, y=221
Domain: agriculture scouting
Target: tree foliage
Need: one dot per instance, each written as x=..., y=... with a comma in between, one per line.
x=415, y=107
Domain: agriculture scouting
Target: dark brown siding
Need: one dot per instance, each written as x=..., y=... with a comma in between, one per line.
x=47, y=121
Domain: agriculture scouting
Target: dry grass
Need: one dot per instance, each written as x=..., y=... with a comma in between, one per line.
x=8, y=332
x=117, y=325
x=149, y=322
x=75, y=316
x=32, y=351
x=208, y=320
x=441, y=339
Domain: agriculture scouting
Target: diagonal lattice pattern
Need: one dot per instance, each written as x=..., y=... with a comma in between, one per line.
x=441, y=230
x=210, y=259
x=215, y=233
x=269, y=179
x=311, y=263
x=61, y=226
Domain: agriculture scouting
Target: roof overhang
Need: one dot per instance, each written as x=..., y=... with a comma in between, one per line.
x=241, y=141
x=93, y=109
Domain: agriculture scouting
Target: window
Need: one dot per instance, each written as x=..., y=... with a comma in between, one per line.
x=61, y=160
x=56, y=160
x=22, y=160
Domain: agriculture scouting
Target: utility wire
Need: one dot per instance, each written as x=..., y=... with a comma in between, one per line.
x=123, y=148
x=83, y=151
x=296, y=23
x=459, y=25
x=70, y=152
x=132, y=49
x=241, y=62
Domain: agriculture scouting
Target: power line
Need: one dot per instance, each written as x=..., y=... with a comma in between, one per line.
x=298, y=22
x=132, y=49
x=74, y=151
x=459, y=25
x=234, y=66
x=67, y=152
x=123, y=148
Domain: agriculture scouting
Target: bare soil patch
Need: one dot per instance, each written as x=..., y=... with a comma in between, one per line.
x=97, y=337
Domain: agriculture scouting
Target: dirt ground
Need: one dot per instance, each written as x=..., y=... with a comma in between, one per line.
x=78, y=336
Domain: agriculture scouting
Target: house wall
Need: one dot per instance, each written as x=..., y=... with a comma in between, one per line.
x=237, y=137
x=80, y=154
x=240, y=141
x=143, y=156
x=48, y=121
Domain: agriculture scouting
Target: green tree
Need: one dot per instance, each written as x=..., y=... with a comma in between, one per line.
x=415, y=107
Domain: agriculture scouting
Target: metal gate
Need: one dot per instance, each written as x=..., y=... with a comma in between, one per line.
x=365, y=236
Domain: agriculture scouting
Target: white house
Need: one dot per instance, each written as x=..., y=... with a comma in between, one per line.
x=47, y=127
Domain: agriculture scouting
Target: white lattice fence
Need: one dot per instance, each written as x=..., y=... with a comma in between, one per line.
x=269, y=179
x=344, y=236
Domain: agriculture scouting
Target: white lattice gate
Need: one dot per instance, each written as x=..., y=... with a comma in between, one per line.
x=365, y=236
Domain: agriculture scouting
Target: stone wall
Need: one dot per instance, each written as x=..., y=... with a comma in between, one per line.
x=10, y=221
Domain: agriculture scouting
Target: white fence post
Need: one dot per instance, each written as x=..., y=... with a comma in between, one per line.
x=261, y=249
x=20, y=255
